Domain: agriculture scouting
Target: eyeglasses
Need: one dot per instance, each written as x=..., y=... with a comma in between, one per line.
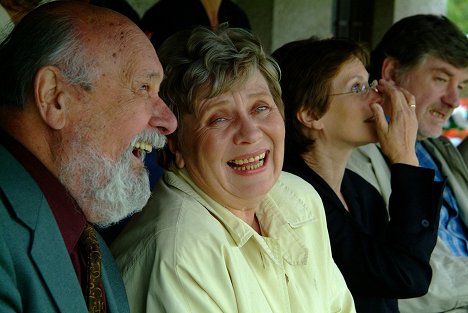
x=363, y=89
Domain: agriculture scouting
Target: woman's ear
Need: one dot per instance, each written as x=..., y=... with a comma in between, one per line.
x=389, y=68
x=50, y=99
x=309, y=120
x=179, y=159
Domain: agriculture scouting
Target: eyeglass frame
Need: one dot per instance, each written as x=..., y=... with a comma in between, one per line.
x=365, y=89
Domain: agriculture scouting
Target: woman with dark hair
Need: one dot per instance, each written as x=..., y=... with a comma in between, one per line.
x=330, y=109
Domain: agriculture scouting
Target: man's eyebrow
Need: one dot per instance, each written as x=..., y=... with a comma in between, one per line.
x=154, y=76
x=447, y=72
x=443, y=70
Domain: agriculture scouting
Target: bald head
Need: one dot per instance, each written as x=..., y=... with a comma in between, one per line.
x=67, y=34
x=79, y=88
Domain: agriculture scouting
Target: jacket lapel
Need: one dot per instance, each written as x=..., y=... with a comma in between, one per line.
x=48, y=251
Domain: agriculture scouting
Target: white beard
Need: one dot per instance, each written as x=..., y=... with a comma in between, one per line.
x=106, y=190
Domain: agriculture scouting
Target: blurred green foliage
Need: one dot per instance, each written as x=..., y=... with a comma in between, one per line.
x=457, y=11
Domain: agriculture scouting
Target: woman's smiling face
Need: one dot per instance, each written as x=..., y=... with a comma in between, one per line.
x=233, y=146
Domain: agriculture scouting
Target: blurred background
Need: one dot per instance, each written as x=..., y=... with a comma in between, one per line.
x=279, y=21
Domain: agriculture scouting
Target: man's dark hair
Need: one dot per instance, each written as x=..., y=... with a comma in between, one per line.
x=412, y=39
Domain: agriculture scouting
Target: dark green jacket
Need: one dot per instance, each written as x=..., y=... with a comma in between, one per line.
x=36, y=272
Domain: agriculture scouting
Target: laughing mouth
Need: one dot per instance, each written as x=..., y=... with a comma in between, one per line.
x=437, y=114
x=248, y=164
x=140, y=148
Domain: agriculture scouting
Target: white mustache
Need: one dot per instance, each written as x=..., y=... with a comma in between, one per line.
x=152, y=137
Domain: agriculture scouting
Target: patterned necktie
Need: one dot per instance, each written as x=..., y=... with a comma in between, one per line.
x=94, y=297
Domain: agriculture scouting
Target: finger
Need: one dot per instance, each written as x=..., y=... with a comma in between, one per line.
x=392, y=96
x=380, y=120
x=410, y=99
x=399, y=99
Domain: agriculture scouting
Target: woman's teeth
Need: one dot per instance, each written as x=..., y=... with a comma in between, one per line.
x=248, y=164
x=248, y=167
x=249, y=160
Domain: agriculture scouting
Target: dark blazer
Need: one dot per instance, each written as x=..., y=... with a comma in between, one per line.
x=381, y=260
x=36, y=272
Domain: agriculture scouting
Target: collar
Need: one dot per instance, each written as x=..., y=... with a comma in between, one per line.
x=280, y=214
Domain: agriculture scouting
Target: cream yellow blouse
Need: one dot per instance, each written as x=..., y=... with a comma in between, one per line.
x=187, y=253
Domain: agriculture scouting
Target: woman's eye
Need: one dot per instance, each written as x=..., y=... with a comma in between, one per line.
x=218, y=120
x=356, y=88
x=262, y=108
x=144, y=87
x=441, y=79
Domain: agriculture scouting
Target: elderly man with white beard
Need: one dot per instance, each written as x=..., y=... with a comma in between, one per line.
x=79, y=108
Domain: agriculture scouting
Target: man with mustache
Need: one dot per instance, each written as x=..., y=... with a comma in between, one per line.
x=79, y=108
x=428, y=56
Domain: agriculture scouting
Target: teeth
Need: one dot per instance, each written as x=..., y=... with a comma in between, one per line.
x=143, y=146
x=249, y=160
x=249, y=167
x=248, y=164
x=437, y=114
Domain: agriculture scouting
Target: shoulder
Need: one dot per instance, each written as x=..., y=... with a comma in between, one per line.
x=22, y=197
x=292, y=183
x=172, y=223
x=293, y=186
x=357, y=181
x=441, y=144
x=11, y=169
x=296, y=197
x=443, y=151
x=364, y=157
x=357, y=187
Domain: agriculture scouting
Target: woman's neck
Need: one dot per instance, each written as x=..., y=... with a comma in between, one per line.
x=212, y=9
x=329, y=164
x=249, y=217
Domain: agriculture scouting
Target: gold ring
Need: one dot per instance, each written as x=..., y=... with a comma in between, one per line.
x=412, y=105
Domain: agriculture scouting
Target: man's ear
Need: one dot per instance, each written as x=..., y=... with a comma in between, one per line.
x=179, y=159
x=49, y=96
x=309, y=120
x=389, y=68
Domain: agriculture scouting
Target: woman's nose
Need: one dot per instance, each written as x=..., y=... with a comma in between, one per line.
x=248, y=131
